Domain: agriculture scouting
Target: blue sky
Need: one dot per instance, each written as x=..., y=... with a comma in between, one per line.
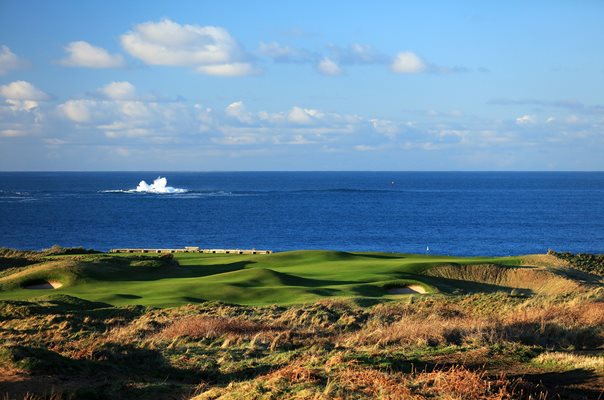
x=272, y=85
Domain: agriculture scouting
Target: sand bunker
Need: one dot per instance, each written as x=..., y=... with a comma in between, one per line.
x=43, y=285
x=410, y=289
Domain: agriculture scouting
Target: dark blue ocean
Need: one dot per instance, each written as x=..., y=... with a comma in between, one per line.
x=458, y=213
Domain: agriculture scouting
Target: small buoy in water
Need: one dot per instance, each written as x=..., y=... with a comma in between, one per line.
x=392, y=183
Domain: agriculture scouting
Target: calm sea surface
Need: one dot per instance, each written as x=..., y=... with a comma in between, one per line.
x=484, y=213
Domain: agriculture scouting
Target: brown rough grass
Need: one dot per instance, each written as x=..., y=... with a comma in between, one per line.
x=413, y=331
x=538, y=280
x=577, y=324
x=201, y=326
x=339, y=379
x=544, y=260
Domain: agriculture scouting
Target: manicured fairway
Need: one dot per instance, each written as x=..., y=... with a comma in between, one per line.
x=280, y=278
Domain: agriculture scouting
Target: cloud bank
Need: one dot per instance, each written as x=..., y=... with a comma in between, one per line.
x=123, y=121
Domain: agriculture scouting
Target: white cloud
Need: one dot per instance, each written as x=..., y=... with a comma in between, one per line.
x=125, y=129
x=85, y=111
x=22, y=95
x=386, y=127
x=21, y=114
x=9, y=60
x=238, y=111
x=55, y=142
x=83, y=54
x=300, y=115
x=525, y=119
x=237, y=140
x=12, y=133
x=22, y=90
x=286, y=54
x=358, y=54
x=363, y=53
x=331, y=62
x=120, y=103
x=300, y=139
x=119, y=90
x=16, y=121
x=276, y=51
x=135, y=109
x=363, y=147
x=233, y=69
x=22, y=105
x=139, y=119
x=408, y=63
x=209, y=49
x=79, y=110
x=329, y=67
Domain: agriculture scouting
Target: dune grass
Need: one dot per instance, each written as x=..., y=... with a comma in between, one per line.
x=435, y=347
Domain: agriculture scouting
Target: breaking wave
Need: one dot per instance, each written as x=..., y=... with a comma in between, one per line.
x=159, y=186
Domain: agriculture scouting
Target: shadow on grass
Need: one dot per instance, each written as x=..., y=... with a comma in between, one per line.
x=366, y=301
x=127, y=296
x=456, y=286
x=577, y=384
x=192, y=299
x=214, y=269
x=258, y=277
x=325, y=292
x=369, y=290
x=126, y=361
x=578, y=275
x=553, y=335
x=79, y=313
x=48, y=305
x=124, y=272
x=111, y=371
x=247, y=373
x=381, y=256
